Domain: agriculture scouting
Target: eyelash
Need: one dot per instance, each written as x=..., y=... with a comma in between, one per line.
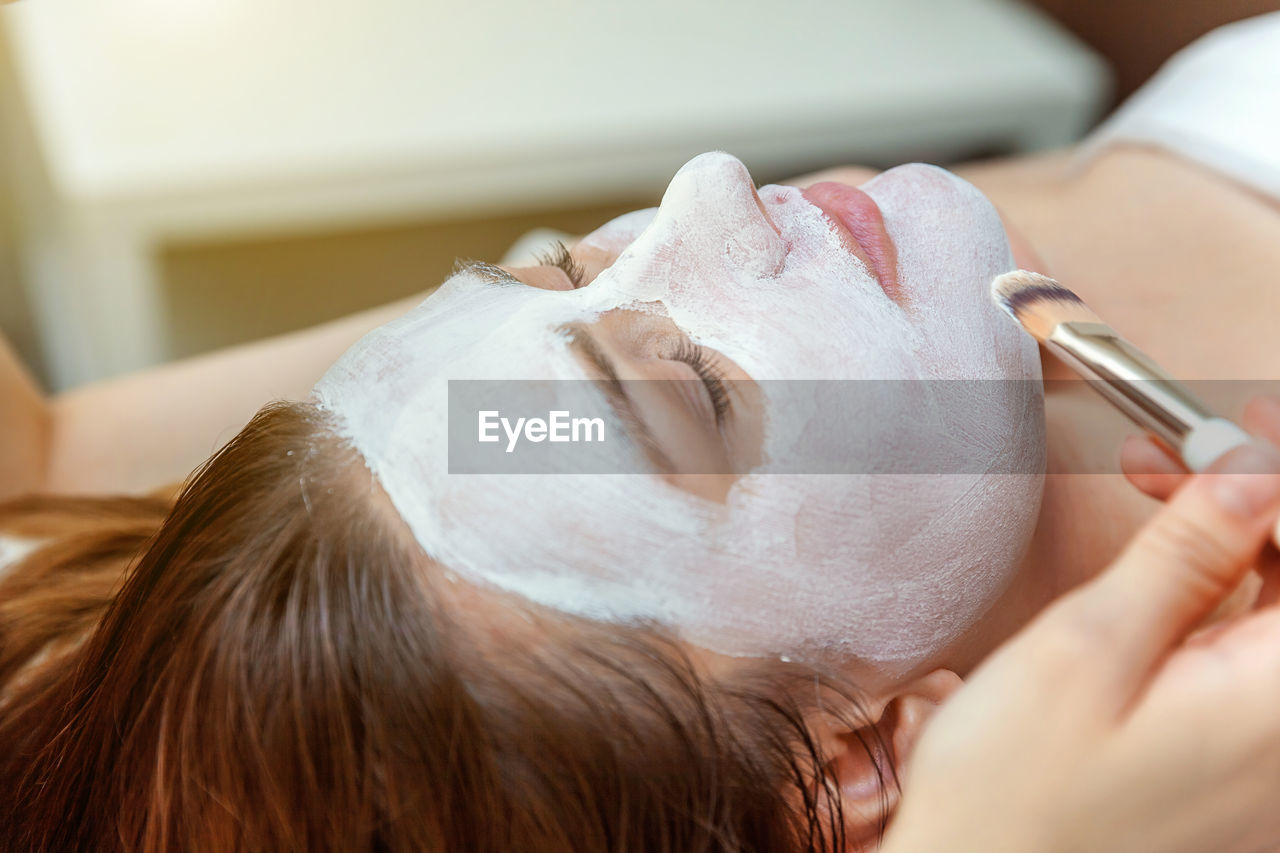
x=559, y=256
x=709, y=371
x=703, y=364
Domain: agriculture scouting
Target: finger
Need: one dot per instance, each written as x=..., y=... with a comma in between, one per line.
x=1269, y=571
x=1180, y=565
x=1151, y=467
x=1241, y=600
x=1226, y=666
x=1262, y=418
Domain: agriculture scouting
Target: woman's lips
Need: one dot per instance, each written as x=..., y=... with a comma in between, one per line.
x=861, y=226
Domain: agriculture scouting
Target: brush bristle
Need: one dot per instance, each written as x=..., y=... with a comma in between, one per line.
x=1038, y=302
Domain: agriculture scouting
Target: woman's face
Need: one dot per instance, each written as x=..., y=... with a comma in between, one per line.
x=780, y=520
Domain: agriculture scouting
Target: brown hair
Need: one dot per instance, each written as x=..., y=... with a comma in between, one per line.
x=273, y=664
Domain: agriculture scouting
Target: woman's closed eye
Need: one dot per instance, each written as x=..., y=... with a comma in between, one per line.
x=706, y=364
x=558, y=269
x=695, y=414
x=562, y=259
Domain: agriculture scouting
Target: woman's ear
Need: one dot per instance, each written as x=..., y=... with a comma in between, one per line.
x=868, y=761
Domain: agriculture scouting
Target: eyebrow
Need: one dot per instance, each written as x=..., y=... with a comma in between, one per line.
x=584, y=342
x=491, y=273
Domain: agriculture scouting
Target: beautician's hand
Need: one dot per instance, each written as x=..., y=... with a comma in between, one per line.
x=1158, y=472
x=1101, y=727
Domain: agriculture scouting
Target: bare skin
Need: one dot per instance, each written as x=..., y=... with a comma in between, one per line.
x=148, y=430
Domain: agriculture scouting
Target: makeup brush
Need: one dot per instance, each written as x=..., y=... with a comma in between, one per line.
x=1121, y=372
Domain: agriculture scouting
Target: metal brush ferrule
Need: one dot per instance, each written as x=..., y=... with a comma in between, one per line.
x=1130, y=380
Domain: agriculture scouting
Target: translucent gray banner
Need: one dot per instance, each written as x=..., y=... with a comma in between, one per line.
x=797, y=426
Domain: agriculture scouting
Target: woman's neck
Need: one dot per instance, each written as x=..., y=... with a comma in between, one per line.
x=1183, y=263
x=1177, y=258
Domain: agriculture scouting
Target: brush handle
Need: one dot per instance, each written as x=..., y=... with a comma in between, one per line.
x=1145, y=392
x=1209, y=440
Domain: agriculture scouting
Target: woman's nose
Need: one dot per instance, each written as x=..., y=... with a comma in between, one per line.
x=714, y=207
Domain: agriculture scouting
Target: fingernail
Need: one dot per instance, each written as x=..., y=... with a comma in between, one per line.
x=1266, y=410
x=1269, y=404
x=1247, y=480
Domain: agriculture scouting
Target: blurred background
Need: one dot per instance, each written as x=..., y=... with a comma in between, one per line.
x=182, y=175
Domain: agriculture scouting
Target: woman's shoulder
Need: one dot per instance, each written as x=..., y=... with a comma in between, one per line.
x=1214, y=102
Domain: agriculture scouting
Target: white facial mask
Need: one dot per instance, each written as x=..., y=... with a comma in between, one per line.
x=882, y=566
